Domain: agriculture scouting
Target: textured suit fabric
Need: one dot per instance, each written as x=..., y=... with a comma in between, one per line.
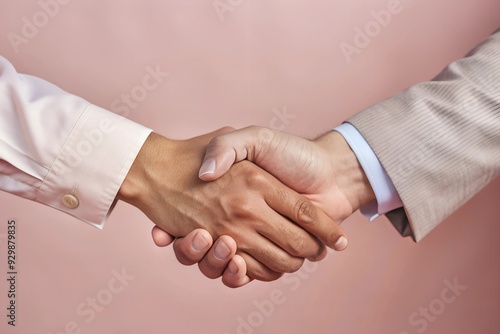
x=439, y=141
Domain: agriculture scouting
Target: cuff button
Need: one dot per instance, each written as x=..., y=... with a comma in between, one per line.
x=70, y=201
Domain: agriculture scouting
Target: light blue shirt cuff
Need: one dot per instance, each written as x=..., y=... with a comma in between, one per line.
x=387, y=198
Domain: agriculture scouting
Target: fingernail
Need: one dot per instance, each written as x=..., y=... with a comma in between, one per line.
x=199, y=243
x=340, y=244
x=208, y=167
x=221, y=251
x=233, y=268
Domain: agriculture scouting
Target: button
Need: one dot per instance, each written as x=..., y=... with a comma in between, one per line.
x=70, y=201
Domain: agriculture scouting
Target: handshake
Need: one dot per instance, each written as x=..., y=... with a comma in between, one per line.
x=269, y=199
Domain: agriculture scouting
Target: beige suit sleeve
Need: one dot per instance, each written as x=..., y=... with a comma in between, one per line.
x=439, y=141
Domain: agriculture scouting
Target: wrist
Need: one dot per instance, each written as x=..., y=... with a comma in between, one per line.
x=349, y=175
x=156, y=150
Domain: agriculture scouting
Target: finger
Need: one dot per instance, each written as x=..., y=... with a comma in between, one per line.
x=192, y=248
x=279, y=202
x=269, y=254
x=305, y=214
x=217, y=258
x=235, y=275
x=320, y=257
x=270, y=238
x=160, y=237
x=258, y=271
x=289, y=237
x=224, y=150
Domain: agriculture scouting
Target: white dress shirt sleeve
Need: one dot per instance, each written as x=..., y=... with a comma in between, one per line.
x=60, y=150
x=387, y=198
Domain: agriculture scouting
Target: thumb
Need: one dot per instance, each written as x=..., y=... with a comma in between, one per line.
x=217, y=161
x=160, y=237
x=224, y=150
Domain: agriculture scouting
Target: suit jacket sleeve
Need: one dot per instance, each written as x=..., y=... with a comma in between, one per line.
x=60, y=150
x=439, y=141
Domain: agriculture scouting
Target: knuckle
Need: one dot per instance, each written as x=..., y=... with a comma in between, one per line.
x=294, y=265
x=263, y=274
x=298, y=244
x=253, y=128
x=254, y=177
x=235, y=206
x=271, y=276
x=226, y=129
x=217, y=141
x=258, y=273
x=264, y=135
x=287, y=264
x=242, y=208
x=305, y=213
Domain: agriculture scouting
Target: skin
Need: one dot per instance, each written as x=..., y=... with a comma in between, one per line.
x=324, y=170
x=247, y=204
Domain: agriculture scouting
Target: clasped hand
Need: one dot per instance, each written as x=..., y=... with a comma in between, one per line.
x=264, y=228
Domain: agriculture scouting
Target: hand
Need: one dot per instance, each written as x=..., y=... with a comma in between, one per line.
x=247, y=204
x=324, y=170
x=213, y=261
x=342, y=187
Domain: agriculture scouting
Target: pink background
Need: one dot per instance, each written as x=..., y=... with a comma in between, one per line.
x=261, y=56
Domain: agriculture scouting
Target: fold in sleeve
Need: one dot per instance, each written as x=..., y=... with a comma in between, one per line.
x=60, y=150
x=439, y=141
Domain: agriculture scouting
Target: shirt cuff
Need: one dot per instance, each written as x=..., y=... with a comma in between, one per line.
x=387, y=198
x=92, y=164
